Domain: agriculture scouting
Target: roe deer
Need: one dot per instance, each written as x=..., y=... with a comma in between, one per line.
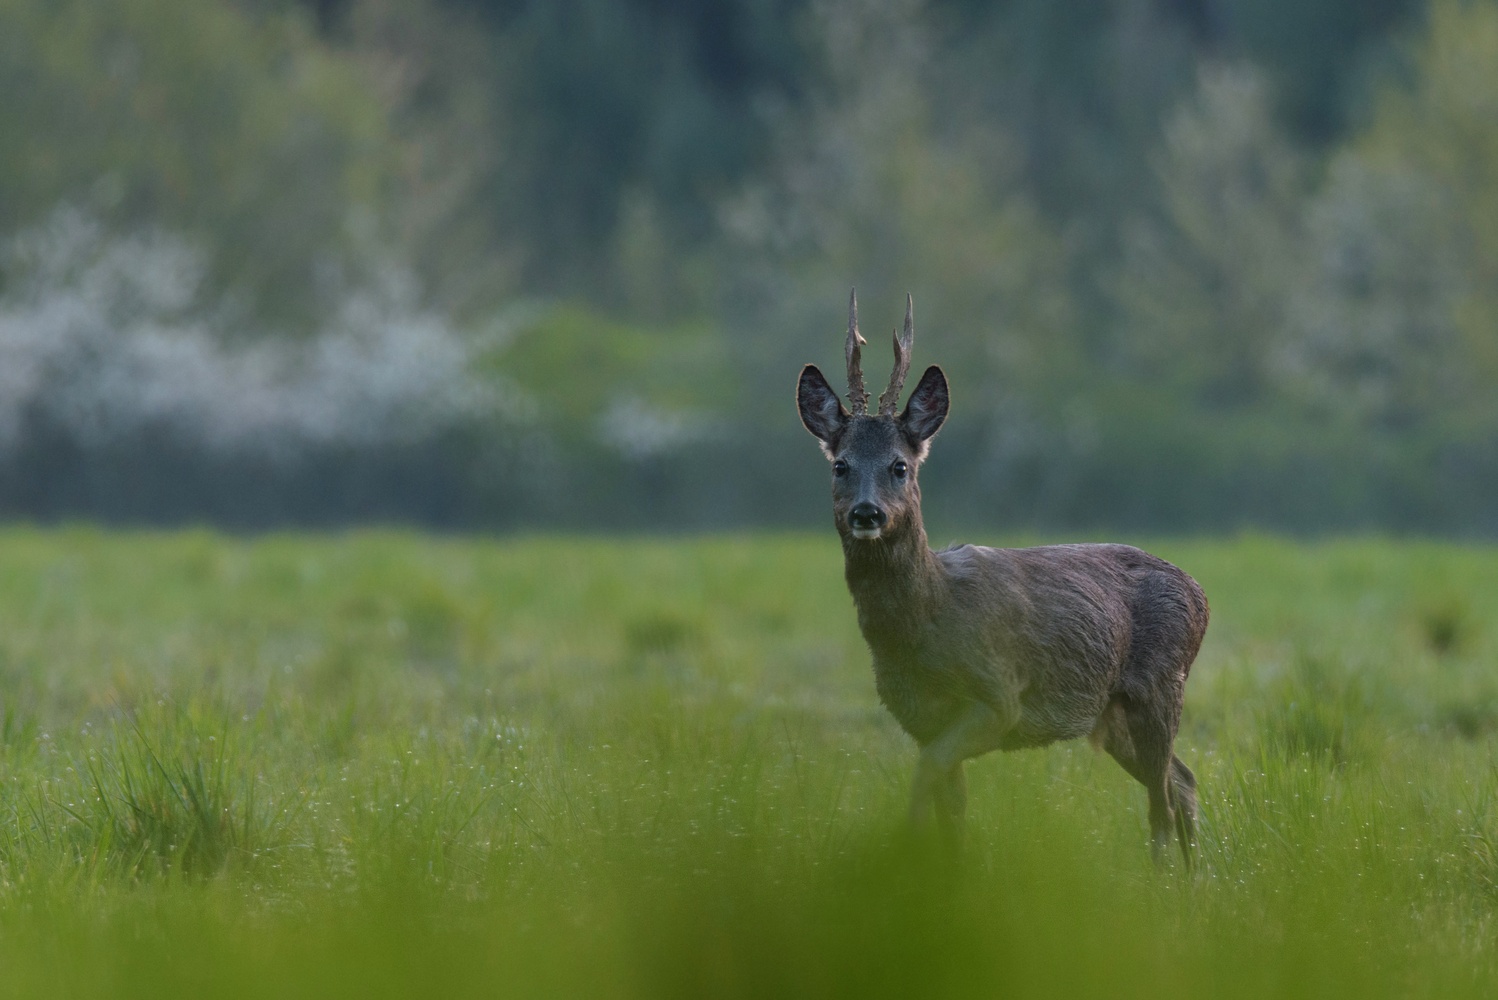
x=978, y=649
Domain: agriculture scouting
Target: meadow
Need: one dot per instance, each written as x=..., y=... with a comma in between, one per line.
x=384, y=764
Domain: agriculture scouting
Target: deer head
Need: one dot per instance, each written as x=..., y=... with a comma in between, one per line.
x=874, y=457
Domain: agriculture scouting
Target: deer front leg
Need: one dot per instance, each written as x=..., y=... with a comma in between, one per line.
x=940, y=786
x=951, y=807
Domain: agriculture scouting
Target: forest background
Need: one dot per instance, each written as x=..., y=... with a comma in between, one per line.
x=1191, y=265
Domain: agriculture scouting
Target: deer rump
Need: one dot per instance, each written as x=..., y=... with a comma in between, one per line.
x=1051, y=636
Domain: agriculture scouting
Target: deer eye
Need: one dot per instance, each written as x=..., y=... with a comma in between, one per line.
x=898, y=469
x=839, y=468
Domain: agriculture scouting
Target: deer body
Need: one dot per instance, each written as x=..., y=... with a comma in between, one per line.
x=978, y=649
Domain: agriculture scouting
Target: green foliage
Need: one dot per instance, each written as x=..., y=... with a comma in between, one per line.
x=241, y=132
x=380, y=764
x=1190, y=266
x=1321, y=52
x=578, y=367
x=1406, y=229
x=1203, y=287
x=162, y=794
x=885, y=184
x=1310, y=711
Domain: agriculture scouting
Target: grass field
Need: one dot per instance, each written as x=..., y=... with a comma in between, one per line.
x=389, y=765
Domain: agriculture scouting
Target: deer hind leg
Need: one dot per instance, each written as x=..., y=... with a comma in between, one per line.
x=1141, y=741
x=1183, y=786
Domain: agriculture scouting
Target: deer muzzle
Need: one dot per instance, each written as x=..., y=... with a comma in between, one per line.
x=866, y=520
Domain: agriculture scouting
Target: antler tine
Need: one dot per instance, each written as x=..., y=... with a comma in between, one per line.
x=890, y=398
x=858, y=398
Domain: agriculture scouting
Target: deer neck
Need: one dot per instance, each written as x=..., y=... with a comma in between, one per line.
x=895, y=581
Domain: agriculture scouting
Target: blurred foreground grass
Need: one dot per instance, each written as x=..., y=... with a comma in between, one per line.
x=388, y=765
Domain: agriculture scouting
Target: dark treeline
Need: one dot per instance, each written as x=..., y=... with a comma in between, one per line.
x=1191, y=264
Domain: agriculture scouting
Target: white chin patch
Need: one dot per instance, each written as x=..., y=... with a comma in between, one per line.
x=864, y=534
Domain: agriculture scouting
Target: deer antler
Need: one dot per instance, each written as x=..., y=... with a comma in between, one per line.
x=858, y=398
x=890, y=398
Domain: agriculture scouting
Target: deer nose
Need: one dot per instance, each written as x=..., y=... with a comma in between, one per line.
x=866, y=515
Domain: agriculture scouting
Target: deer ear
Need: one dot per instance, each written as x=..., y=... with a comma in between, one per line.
x=927, y=408
x=821, y=411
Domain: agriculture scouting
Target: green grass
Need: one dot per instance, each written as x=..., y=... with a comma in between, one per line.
x=383, y=764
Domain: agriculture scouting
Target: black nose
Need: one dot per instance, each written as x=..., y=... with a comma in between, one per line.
x=866, y=515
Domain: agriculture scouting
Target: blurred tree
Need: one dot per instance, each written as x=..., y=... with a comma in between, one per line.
x=1081, y=84
x=623, y=113
x=1401, y=329
x=1130, y=265
x=1321, y=54
x=433, y=73
x=1204, y=285
x=867, y=188
x=241, y=133
x=614, y=128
